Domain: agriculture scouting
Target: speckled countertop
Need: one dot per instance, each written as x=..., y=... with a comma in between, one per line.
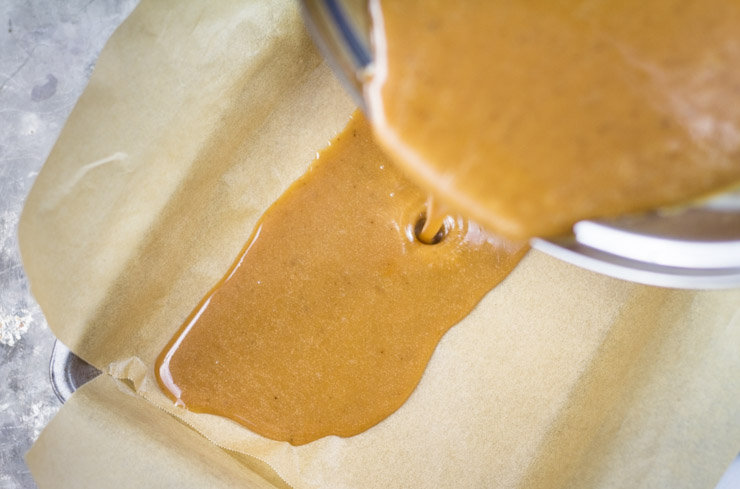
x=48, y=49
x=47, y=52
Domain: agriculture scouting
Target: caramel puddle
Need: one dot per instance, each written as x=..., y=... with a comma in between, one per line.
x=326, y=321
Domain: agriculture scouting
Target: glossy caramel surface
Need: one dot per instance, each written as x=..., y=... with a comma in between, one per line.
x=327, y=319
x=531, y=115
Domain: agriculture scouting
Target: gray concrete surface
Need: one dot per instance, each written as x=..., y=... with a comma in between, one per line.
x=48, y=49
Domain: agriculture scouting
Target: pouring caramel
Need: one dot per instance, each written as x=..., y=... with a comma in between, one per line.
x=431, y=228
x=327, y=319
x=527, y=116
x=531, y=115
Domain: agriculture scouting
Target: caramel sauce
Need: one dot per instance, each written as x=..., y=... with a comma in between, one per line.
x=432, y=225
x=327, y=319
x=529, y=116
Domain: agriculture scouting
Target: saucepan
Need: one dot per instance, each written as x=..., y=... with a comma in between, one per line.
x=694, y=246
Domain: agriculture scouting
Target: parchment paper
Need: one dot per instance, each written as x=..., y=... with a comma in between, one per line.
x=197, y=117
x=124, y=441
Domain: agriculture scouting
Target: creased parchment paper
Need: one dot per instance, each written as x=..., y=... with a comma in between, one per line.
x=197, y=117
x=106, y=422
